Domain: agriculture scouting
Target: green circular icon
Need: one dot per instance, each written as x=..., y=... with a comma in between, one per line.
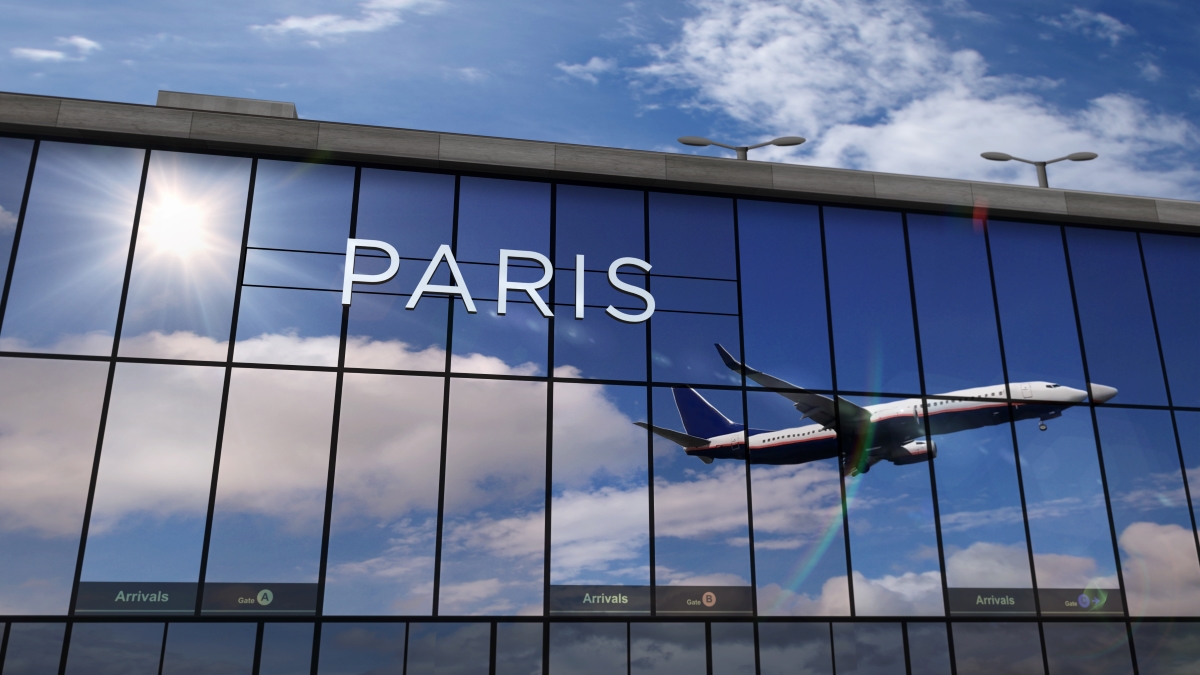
x=265, y=596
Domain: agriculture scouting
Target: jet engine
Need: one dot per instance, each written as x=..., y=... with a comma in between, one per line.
x=913, y=452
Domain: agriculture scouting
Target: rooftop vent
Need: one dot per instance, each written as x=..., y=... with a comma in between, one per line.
x=227, y=104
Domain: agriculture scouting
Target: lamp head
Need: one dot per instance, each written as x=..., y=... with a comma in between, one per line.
x=784, y=141
x=1082, y=156
x=996, y=156
x=698, y=141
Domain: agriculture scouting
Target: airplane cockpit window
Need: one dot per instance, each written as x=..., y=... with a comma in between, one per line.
x=1053, y=386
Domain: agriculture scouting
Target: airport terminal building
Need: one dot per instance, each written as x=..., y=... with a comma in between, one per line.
x=280, y=396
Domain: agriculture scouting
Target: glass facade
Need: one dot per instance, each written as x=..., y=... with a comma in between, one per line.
x=582, y=429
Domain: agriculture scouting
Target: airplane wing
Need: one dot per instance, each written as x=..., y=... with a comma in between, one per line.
x=816, y=407
x=676, y=436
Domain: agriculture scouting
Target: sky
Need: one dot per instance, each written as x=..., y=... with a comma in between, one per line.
x=905, y=86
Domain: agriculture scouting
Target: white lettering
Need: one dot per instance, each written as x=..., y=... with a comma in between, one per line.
x=530, y=288
x=579, y=275
x=459, y=288
x=631, y=290
x=349, y=279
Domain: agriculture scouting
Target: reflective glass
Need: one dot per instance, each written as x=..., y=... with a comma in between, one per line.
x=599, y=467
x=997, y=649
x=382, y=536
x=270, y=502
x=694, y=295
x=152, y=488
x=381, y=333
x=512, y=344
x=1171, y=262
x=14, y=169
x=1189, y=442
x=34, y=649
x=49, y=417
x=868, y=649
x=701, y=526
x=495, y=214
x=66, y=287
x=959, y=345
x=928, y=649
x=599, y=346
x=783, y=292
x=589, y=648
x=448, y=648
x=872, y=308
x=732, y=649
x=301, y=206
x=790, y=648
x=226, y=648
x=518, y=649
x=493, y=539
x=295, y=270
x=1041, y=341
x=1087, y=649
x=1167, y=648
x=601, y=224
x=799, y=539
x=682, y=347
x=692, y=236
x=185, y=261
x=1114, y=312
x=412, y=211
x=286, y=649
x=1150, y=511
x=362, y=649
x=667, y=649
x=277, y=325
x=114, y=649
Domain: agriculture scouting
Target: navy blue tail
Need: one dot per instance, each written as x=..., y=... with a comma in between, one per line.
x=699, y=416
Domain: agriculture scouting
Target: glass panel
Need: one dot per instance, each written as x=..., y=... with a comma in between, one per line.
x=519, y=649
x=1087, y=649
x=600, y=467
x=692, y=236
x=1167, y=648
x=667, y=649
x=362, y=649
x=513, y=344
x=783, y=292
x=799, y=539
x=928, y=649
x=599, y=346
x=589, y=648
x=14, y=170
x=152, y=488
x=1171, y=263
x=270, y=503
x=872, y=308
x=114, y=649
x=412, y=211
x=302, y=206
x=997, y=649
x=1114, y=311
x=495, y=214
x=983, y=531
x=296, y=270
x=1150, y=511
x=66, y=286
x=682, y=347
x=868, y=648
x=1189, y=441
x=381, y=333
x=494, y=519
x=733, y=649
x=701, y=526
x=1068, y=520
x=450, y=648
x=790, y=648
x=286, y=649
x=209, y=647
x=959, y=345
x=185, y=263
x=1041, y=341
x=34, y=648
x=50, y=416
x=601, y=224
x=278, y=325
x=382, y=536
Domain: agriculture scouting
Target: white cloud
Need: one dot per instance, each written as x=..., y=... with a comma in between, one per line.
x=376, y=15
x=588, y=71
x=43, y=55
x=79, y=44
x=8, y=221
x=1148, y=68
x=873, y=89
x=1093, y=24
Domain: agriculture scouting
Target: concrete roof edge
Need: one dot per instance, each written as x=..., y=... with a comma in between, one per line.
x=305, y=138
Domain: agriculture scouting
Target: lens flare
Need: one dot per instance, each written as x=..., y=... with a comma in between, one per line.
x=176, y=226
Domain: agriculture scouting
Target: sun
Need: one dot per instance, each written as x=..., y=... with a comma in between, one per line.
x=176, y=226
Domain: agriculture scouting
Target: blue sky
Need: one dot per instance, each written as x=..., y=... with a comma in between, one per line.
x=906, y=86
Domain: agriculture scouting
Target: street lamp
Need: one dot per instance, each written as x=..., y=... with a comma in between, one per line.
x=741, y=150
x=1041, y=166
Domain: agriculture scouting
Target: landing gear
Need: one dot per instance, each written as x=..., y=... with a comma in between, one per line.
x=1042, y=426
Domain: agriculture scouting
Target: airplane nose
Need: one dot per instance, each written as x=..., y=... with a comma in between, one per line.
x=1102, y=393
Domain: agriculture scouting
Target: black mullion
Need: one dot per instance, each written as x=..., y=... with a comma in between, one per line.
x=707, y=646
x=1132, y=648
x=950, y=648
x=62, y=657
x=546, y=646
x=316, y=647
x=757, y=660
x=1187, y=492
x=549, y=478
x=737, y=261
x=843, y=457
x=12, y=254
x=832, y=651
x=437, y=551
x=258, y=642
x=1042, y=640
x=649, y=413
x=162, y=650
x=491, y=652
x=933, y=494
x=904, y=640
x=1112, y=526
x=112, y=372
x=4, y=645
x=628, y=649
x=216, y=471
x=404, y=667
x=1012, y=424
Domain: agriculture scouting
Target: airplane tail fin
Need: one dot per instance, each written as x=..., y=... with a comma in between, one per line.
x=699, y=416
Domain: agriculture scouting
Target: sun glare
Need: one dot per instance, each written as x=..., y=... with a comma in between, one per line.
x=177, y=226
